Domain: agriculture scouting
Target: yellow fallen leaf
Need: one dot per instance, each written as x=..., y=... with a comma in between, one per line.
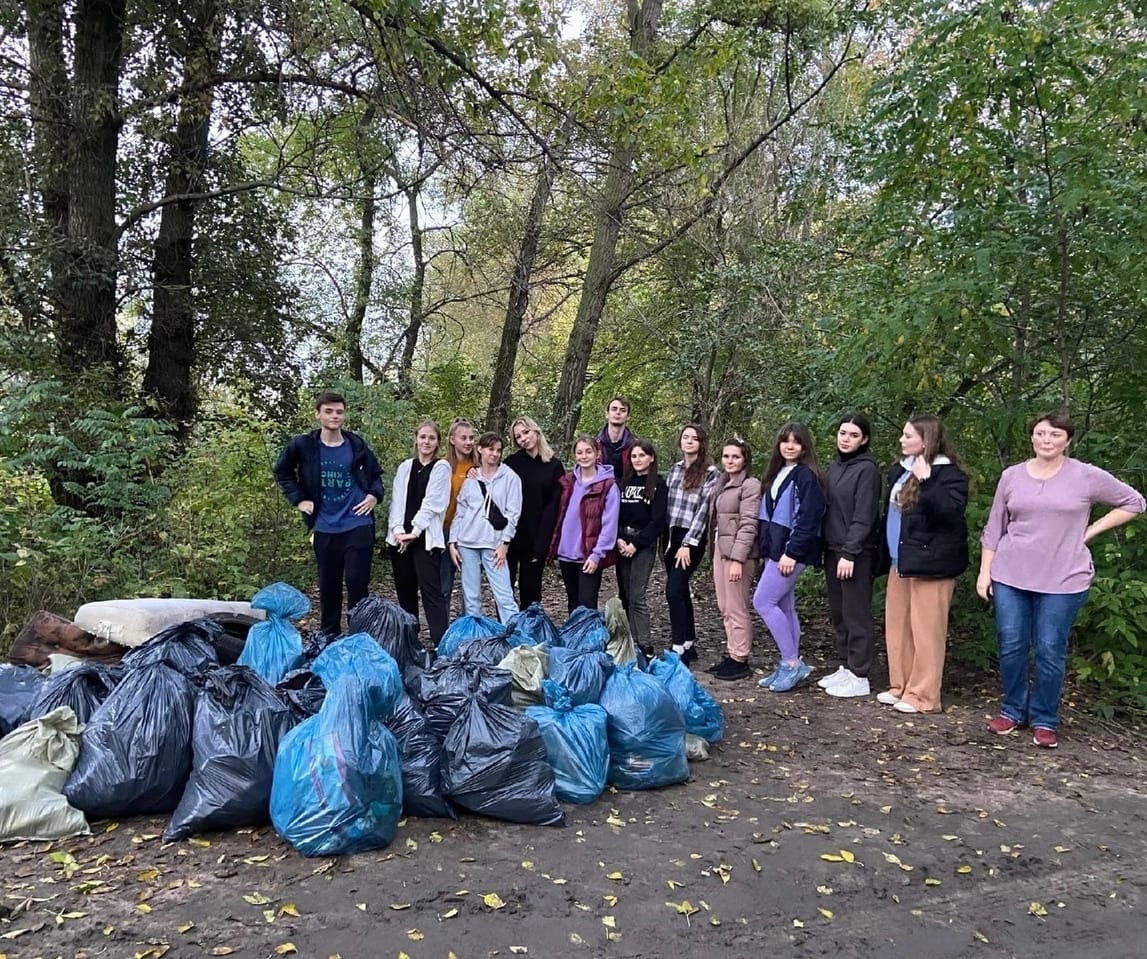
x=436, y=837
x=831, y=857
x=143, y=907
x=847, y=856
x=714, y=921
x=674, y=884
x=148, y=875
x=576, y=939
x=892, y=858
x=108, y=930
x=615, y=876
x=949, y=838
x=449, y=914
x=256, y=899
x=399, y=906
x=415, y=935
x=827, y=913
x=519, y=950
x=527, y=865
x=756, y=865
x=290, y=909
x=201, y=843
x=609, y=922
x=1063, y=848
x=222, y=951
x=286, y=949
x=185, y=927
x=493, y=900
x=963, y=870
x=1037, y=909
x=269, y=915
x=685, y=907
x=916, y=912
x=980, y=937
x=610, y=900
x=559, y=882
x=360, y=906
x=824, y=890
x=797, y=924
x=931, y=882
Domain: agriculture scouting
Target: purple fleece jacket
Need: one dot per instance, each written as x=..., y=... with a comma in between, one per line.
x=569, y=543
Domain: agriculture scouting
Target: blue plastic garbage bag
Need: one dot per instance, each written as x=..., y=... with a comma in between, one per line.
x=421, y=754
x=392, y=627
x=495, y=765
x=274, y=647
x=81, y=688
x=19, y=688
x=532, y=627
x=577, y=744
x=135, y=752
x=582, y=672
x=239, y=722
x=702, y=713
x=464, y=629
x=445, y=688
x=186, y=647
x=646, y=731
x=337, y=786
x=585, y=629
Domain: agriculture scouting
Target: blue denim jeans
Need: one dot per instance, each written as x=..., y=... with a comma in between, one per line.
x=1026, y=620
x=473, y=562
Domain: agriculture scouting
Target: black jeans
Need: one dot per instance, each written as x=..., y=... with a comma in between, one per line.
x=526, y=576
x=850, y=608
x=582, y=589
x=682, y=625
x=342, y=556
x=419, y=570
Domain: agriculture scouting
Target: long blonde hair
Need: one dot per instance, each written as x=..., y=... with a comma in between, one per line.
x=545, y=452
x=451, y=454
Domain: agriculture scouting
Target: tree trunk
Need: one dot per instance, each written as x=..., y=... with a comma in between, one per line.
x=364, y=277
x=498, y=412
x=417, y=293
x=643, y=19
x=168, y=381
x=86, y=325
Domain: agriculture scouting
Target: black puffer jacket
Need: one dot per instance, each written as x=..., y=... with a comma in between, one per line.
x=933, y=541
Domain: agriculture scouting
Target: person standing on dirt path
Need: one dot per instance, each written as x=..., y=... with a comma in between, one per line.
x=1036, y=567
x=615, y=440
x=852, y=544
x=333, y=478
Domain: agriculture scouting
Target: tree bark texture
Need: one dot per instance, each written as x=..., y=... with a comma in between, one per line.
x=417, y=292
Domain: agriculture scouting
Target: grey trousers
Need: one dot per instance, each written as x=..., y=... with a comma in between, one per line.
x=632, y=584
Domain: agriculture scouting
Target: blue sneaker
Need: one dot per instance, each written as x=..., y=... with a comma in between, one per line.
x=789, y=677
x=767, y=682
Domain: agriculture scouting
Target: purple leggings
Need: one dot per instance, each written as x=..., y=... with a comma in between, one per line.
x=775, y=603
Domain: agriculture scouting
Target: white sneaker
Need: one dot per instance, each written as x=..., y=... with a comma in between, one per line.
x=888, y=698
x=847, y=688
x=832, y=678
x=903, y=707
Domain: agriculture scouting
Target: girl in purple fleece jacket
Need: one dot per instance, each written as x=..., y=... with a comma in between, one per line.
x=586, y=530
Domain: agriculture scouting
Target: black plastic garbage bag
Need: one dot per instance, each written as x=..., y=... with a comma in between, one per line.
x=582, y=672
x=496, y=765
x=585, y=629
x=135, y=753
x=82, y=688
x=421, y=762
x=315, y=641
x=19, y=688
x=491, y=651
x=235, y=736
x=445, y=688
x=466, y=629
x=303, y=691
x=533, y=627
x=392, y=627
x=187, y=647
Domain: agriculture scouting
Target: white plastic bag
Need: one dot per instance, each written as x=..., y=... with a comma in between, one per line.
x=36, y=760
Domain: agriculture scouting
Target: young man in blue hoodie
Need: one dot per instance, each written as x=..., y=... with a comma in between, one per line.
x=333, y=478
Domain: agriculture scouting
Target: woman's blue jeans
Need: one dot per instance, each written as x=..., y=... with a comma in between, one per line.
x=1026, y=620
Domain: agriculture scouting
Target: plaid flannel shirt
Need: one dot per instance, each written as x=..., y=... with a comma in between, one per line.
x=689, y=509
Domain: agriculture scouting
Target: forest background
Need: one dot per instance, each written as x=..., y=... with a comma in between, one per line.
x=735, y=212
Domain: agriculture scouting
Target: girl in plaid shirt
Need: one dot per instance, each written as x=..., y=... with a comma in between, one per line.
x=691, y=482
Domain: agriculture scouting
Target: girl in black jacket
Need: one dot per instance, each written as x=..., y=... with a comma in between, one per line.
x=640, y=523
x=927, y=539
x=852, y=543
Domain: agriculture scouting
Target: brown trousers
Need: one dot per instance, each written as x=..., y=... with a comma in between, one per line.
x=916, y=632
x=734, y=600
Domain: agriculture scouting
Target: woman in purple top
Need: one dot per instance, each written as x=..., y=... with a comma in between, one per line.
x=1036, y=566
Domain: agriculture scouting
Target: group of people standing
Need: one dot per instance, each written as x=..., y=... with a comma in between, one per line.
x=474, y=513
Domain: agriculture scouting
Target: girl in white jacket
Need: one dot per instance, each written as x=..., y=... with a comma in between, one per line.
x=418, y=503
x=478, y=544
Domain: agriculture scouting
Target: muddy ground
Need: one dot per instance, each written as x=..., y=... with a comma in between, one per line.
x=820, y=827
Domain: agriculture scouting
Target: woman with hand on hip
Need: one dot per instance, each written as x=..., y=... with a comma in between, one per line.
x=586, y=532
x=418, y=503
x=641, y=520
x=852, y=544
x=1036, y=566
x=541, y=474
x=488, y=510
x=792, y=508
x=927, y=541
x=691, y=481
x=733, y=531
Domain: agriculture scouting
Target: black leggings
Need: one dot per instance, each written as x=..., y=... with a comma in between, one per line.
x=682, y=625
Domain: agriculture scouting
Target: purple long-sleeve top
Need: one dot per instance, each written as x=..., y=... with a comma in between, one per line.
x=570, y=542
x=1036, y=526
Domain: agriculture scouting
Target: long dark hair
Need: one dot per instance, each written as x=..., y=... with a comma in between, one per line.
x=651, y=477
x=695, y=473
x=800, y=433
x=860, y=420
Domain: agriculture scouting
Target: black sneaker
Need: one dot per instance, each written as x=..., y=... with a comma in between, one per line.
x=723, y=664
x=689, y=655
x=735, y=670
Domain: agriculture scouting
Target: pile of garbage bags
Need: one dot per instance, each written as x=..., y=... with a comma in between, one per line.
x=334, y=739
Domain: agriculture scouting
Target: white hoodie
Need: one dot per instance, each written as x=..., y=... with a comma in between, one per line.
x=470, y=527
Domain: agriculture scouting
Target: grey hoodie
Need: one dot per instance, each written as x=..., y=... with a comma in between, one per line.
x=470, y=527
